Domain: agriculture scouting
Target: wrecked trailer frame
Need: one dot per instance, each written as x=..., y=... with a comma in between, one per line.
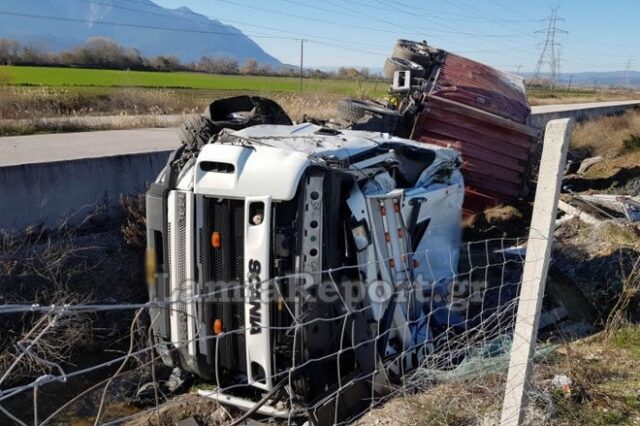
x=445, y=99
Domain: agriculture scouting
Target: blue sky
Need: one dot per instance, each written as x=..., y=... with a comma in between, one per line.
x=602, y=35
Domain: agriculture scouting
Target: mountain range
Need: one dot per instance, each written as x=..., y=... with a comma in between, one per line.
x=56, y=25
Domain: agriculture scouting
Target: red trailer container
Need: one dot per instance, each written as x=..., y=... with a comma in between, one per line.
x=483, y=113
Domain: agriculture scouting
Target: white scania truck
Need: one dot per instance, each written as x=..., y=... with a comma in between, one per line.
x=287, y=261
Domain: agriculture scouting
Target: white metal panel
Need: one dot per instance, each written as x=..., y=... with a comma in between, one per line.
x=182, y=314
x=257, y=246
x=258, y=170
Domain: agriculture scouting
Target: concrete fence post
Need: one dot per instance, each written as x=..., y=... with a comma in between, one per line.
x=554, y=154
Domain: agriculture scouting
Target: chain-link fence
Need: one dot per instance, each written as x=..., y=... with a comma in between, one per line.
x=339, y=349
x=333, y=345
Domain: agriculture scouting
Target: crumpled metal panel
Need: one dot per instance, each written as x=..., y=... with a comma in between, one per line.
x=481, y=86
x=483, y=113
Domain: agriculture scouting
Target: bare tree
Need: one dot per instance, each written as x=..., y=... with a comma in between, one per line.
x=165, y=63
x=32, y=54
x=9, y=51
x=217, y=65
x=102, y=52
x=250, y=67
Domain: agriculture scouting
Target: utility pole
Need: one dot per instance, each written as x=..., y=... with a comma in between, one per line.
x=518, y=67
x=627, y=77
x=570, y=81
x=550, y=54
x=301, y=62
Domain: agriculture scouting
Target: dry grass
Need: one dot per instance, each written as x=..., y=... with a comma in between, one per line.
x=72, y=105
x=29, y=110
x=578, y=95
x=134, y=227
x=605, y=391
x=81, y=124
x=37, y=102
x=38, y=267
x=320, y=106
x=606, y=136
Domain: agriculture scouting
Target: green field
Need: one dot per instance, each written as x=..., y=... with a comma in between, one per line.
x=63, y=77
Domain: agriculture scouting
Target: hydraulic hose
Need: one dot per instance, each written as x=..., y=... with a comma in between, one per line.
x=260, y=403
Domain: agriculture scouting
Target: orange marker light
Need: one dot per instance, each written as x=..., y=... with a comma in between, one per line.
x=217, y=327
x=216, y=241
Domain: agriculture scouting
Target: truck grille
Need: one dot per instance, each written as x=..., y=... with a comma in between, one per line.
x=227, y=271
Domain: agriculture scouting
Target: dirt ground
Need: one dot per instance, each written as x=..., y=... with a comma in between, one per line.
x=205, y=411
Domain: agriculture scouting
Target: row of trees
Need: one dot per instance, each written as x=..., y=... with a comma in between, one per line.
x=102, y=52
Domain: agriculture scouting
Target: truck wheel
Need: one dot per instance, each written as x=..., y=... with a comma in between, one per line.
x=349, y=110
x=414, y=51
x=195, y=132
x=394, y=64
x=354, y=109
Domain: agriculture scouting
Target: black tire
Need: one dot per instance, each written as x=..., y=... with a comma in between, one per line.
x=195, y=132
x=350, y=111
x=258, y=110
x=354, y=109
x=394, y=64
x=418, y=52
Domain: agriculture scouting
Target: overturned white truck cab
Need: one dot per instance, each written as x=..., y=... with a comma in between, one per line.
x=288, y=260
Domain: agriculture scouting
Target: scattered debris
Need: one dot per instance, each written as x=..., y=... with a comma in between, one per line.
x=189, y=421
x=631, y=209
x=575, y=212
x=624, y=205
x=587, y=163
x=562, y=382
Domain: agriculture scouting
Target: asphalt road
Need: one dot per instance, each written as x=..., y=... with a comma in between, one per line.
x=16, y=150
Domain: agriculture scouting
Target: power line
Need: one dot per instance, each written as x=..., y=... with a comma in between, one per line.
x=146, y=12
x=307, y=18
x=421, y=33
x=491, y=18
x=550, y=54
x=338, y=43
x=361, y=15
x=149, y=27
x=152, y=27
x=438, y=19
x=627, y=71
x=515, y=12
x=303, y=35
x=411, y=11
x=308, y=37
x=440, y=16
